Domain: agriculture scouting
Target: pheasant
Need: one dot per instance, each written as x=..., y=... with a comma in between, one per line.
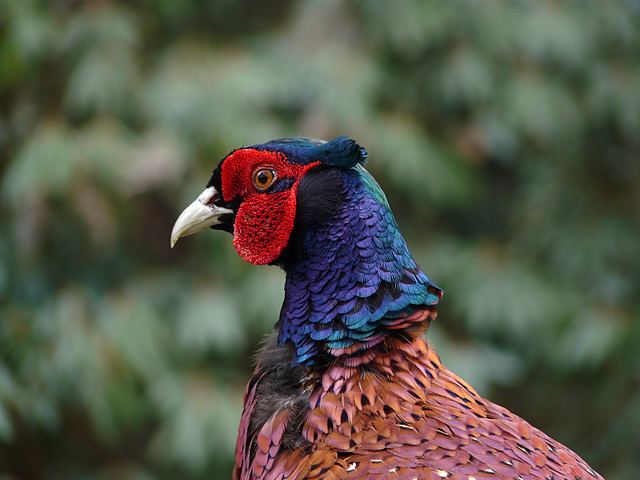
x=346, y=387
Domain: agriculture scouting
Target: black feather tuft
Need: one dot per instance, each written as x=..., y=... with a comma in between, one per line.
x=282, y=387
x=319, y=198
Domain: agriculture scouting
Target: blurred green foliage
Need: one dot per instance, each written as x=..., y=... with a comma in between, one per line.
x=506, y=134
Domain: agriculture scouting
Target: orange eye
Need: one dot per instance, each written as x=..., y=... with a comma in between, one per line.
x=263, y=178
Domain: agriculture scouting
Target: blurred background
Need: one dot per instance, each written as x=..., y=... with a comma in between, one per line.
x=506, y=135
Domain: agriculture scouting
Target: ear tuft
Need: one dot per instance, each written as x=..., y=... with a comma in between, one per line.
x=342, y=152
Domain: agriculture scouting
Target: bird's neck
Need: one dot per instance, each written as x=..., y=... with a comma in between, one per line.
x=354, y=281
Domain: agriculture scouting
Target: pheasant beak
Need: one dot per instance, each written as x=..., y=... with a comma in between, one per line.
x=202, y=213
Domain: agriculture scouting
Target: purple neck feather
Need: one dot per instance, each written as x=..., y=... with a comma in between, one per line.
x=353, y=277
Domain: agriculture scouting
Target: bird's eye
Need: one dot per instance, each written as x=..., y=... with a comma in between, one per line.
x=263, y=178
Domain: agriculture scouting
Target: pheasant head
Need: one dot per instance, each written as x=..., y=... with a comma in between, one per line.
x=310, y=207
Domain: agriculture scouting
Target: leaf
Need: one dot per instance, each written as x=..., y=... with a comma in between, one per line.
x=44, y=165
x=209, y=320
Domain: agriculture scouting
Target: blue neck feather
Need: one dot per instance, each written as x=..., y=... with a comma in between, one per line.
x=353, y=277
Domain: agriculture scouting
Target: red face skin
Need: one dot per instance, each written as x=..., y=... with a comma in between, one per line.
x=264, y=220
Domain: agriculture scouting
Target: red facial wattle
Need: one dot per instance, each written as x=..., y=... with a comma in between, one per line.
x=264, y=219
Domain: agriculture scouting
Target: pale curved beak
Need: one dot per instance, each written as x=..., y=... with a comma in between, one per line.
x=201, y=214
